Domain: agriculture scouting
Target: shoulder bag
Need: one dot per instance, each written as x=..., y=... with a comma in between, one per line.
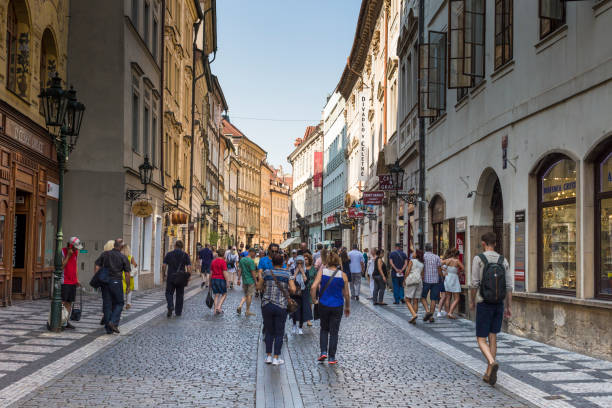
x=180, y=278
x=292, y=305
x=100, y=278
x=315, y=314
x=414, y=278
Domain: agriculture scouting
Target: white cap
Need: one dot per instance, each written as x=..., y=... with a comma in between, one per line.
x=75, y=242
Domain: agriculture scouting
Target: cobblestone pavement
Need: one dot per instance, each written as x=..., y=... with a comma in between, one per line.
x=546, y=376
x=195, y=360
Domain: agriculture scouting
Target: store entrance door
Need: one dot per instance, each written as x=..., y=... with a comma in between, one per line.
x=21, y=227
x=497, y=207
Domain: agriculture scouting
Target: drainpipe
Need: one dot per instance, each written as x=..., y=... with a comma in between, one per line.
x=385, y=76
x=421, y=234
x=161, y=102
x=194, y=79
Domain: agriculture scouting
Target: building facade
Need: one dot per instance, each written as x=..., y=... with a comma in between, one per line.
x=34, y=47
x=265, y=210
x=307, y=163
x=280, y=198
x=523, y=149
x=334, y=168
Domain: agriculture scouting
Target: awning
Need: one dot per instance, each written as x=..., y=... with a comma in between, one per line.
x=289, y=242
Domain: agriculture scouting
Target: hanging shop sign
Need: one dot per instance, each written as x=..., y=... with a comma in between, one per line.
x=364, y=106
x=373, y=197
x=355, y=213
x=385, y=182
x=52, y=190
x=318, y=170
x=142, y=209
x=179, y=218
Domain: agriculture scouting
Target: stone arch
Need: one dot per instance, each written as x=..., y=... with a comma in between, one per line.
x=48, y=57
x=489, y=210
x=19, y=47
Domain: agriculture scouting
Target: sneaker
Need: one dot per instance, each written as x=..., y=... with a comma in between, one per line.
x=69, y=326
x=299, y=331
x=278, y=361
x=169, y=314
x=294, y=329
x=357, y=298
x=322, y=357
x=332, y=360
x=269, y=360
x=439, y=314
x=239, y=309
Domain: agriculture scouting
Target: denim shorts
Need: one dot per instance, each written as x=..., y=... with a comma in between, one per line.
x=219, y=286
x=435, y=291
x=489, y=317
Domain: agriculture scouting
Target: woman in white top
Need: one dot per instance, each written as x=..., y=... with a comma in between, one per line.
x=451, y=280
x=413, y=283
x=371, y=265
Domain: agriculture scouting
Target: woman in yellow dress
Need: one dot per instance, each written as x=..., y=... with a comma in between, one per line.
x=128, y=291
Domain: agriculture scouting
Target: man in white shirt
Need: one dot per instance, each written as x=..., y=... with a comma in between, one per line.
x=356, y=266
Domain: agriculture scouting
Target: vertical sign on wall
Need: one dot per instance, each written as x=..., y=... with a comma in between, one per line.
x=519, y=251
x=363, y=134
x=460, y=226
x=318, y=169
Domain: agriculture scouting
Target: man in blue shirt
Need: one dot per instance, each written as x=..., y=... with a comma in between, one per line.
x=399, y=263
x=206, y=257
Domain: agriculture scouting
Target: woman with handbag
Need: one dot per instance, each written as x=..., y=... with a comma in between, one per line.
x=334, y=295
x=276, y=284
x=301, y=296
x=413, y=284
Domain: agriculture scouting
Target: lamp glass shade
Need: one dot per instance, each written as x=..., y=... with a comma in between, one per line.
x=177, y=190
x=145, y=171
x=73, y=118
x=54, y=101
x=397, y=174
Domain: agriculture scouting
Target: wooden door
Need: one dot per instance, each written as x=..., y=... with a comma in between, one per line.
x=5, y=226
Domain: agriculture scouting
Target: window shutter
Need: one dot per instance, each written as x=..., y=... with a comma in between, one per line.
x=456, y=46
x=551, y=9
x=437, y=71
x=424, y=111
x=474, y=34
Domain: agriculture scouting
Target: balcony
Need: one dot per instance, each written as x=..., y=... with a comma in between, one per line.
x=409, y=131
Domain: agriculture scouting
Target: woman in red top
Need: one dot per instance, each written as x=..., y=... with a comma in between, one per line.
x=218, y=269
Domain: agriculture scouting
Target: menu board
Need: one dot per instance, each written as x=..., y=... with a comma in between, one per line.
x=519, y=251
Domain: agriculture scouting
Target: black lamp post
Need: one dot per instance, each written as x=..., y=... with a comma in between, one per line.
x=177, y=192
x=63, y=118
x=397, y=176
x=145, y=172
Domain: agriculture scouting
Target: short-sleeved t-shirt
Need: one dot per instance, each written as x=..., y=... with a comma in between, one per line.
x=206, y=256
x=356, y=259
x=398, y=257
x=265, y=263
x=217, y=267
x=177, y=261
x=70, y=270
x=247, y=265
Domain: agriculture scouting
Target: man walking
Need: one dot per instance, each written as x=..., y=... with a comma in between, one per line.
x=206, y=257
x=175, y=261
x=112, y=295
x=356, y=266
x=231, y=258
x=431, y=278
x=70, y=279
x=491, y=286
x=317, y=254
x=247, y=272
x=399, y=263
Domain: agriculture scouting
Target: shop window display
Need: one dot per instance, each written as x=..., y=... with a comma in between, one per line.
x=558, y=226
x=603, y=276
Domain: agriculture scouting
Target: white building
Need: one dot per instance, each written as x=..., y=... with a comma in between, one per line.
x=525, y=152
x=334, y=167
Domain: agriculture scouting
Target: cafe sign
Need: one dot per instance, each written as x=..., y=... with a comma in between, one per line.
x=373, y=197
x=142, y=209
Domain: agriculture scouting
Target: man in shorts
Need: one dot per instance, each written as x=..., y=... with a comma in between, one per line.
x=489, y=316
x=247, y=273
x=70, y=279
x=431, y=280
x=206, y=257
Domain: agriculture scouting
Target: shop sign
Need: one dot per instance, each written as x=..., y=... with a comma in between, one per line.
x=142, y=209
x=460, y=243
x=373, y=197
x=385, y=182
x=460, y=224
x=331, y=219
x=519, y=251
x=355, y=213
x=364, y=106
x=26, y=137
x=318, y=170
x=52, y=190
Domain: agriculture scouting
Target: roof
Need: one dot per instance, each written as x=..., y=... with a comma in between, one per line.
x=309, y=131
x=370, y=9
x=217, y=87
x=230, y=129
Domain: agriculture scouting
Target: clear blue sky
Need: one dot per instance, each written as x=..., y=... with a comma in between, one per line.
x=279, y=59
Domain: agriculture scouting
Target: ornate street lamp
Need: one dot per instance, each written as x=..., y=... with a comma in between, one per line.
x=177, y=192
x=145, y=172
x=397, y=176
x=63, y=118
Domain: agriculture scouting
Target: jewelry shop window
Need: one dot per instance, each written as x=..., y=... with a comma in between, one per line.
x=603, y=239
x=557, y=226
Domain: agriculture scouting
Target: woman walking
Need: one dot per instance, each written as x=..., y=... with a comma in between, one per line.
x=311, y=271
x=451, y=280
x=346, y=263
x=301, y=296
x=334, y=295
x=277, y=284
x=380, y=278
x=127, y=290
x=218, y=280
x=413, y=284
x=370, y=271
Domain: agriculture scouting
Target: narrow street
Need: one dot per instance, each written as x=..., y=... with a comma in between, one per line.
x=204, y=360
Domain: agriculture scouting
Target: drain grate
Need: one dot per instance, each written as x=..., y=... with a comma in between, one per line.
x=554, y=397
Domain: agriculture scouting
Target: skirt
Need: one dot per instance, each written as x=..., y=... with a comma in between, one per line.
x=451, y=283
x=219, y=286
x=413, y=291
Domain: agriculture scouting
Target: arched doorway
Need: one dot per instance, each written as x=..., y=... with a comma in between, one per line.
x=489, y=214
x=497, y=210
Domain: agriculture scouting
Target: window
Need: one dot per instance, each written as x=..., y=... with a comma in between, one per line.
x=474, y=63
x=18, y=49
x=166, y=154
x=48, y=61
x=154, y=39
x=503, y=31
x=176, y=160
x=135, y=118
x=603, y=237
x=146, y=145
x=134, y=15
x=552, y=16
x=154, y=139
x=557, y=225
x=146, y=17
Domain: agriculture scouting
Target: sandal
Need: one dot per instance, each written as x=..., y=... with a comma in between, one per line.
x=450, y=316
x=413, y=320
x=493, y=375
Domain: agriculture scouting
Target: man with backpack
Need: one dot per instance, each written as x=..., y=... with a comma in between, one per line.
x=231, y=258
x=490, y=288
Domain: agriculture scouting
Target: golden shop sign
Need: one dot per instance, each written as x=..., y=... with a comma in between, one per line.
x=142, y=209
x=26, y=137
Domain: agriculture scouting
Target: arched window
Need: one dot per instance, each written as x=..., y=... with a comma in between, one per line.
x=557, y=225
x=18, y=48
x=603, y=218
x=48, y=60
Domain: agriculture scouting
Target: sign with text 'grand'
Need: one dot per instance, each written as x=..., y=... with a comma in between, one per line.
x=364, y=105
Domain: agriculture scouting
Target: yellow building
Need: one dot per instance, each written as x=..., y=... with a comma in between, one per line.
x=180, y=16
x=265, y=209
x=280, y=196
x=33, y=47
